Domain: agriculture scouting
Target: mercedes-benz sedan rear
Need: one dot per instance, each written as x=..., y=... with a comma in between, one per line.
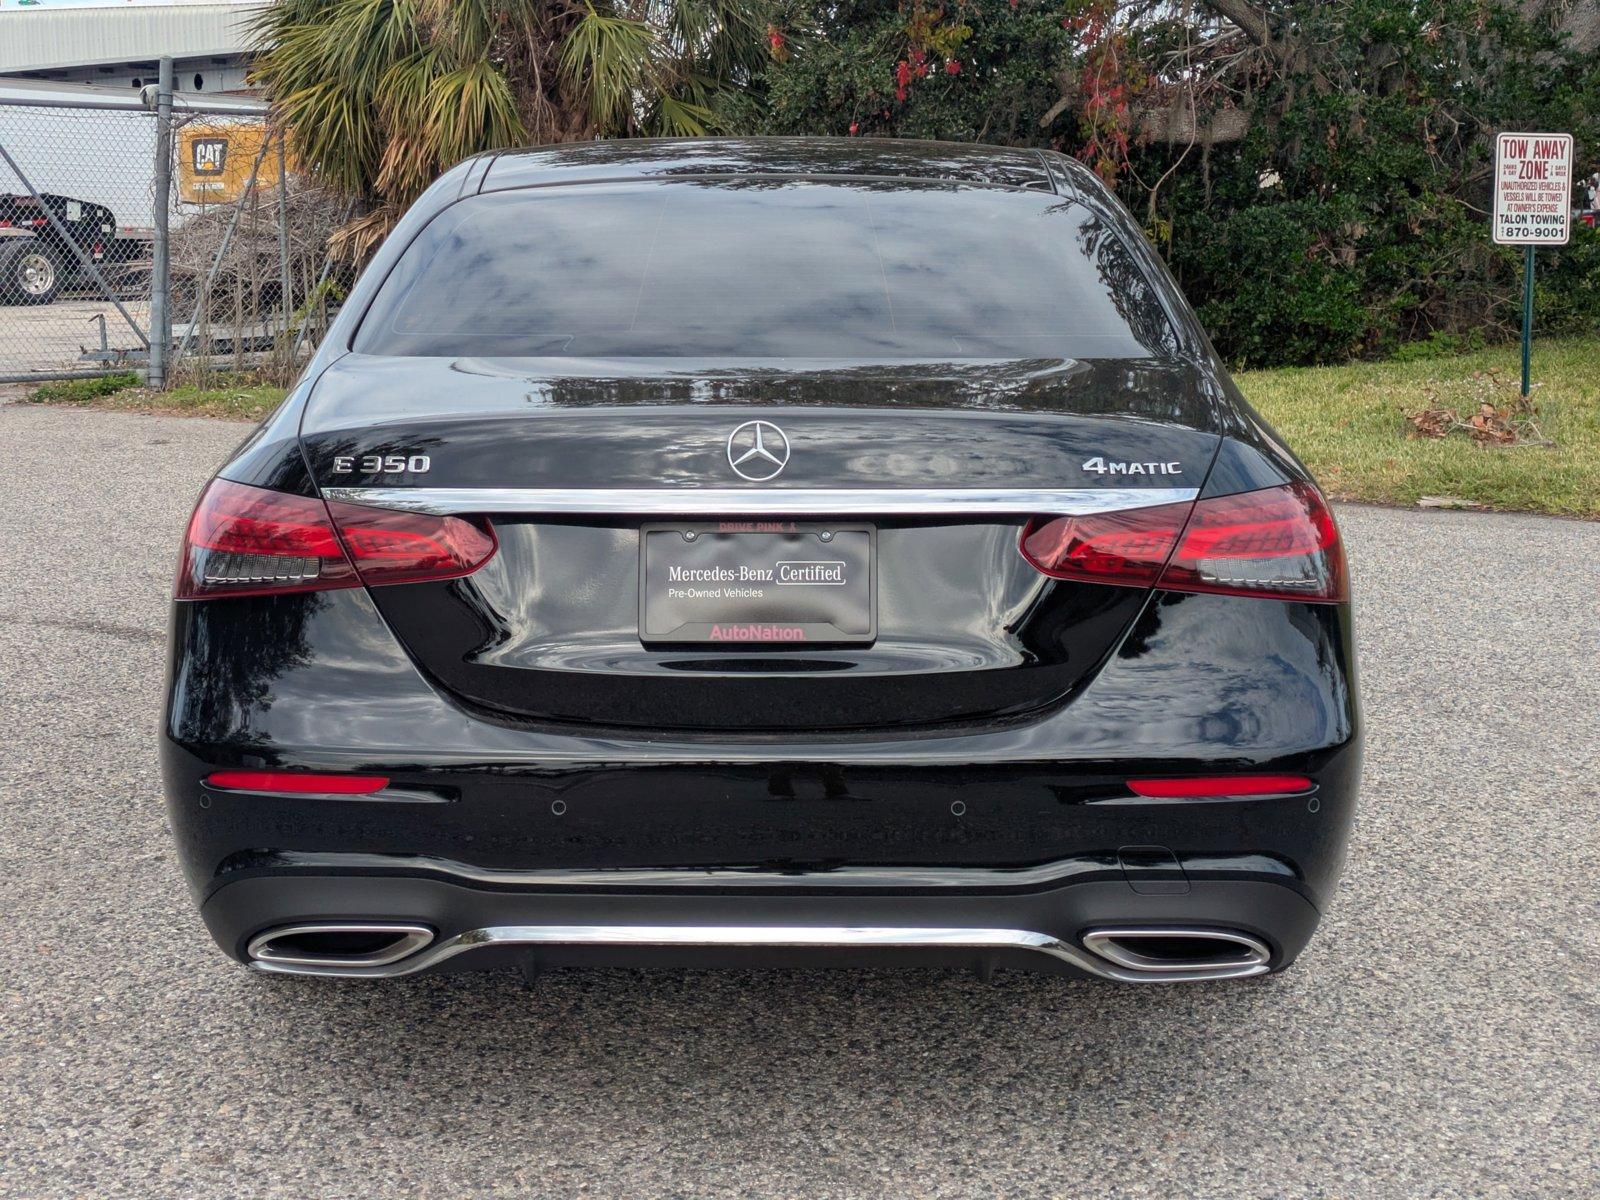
x=766, y=552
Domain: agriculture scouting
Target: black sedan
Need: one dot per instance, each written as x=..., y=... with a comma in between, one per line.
x=782, y=552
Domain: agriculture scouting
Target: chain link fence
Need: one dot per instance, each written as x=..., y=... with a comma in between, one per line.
x=228, y=274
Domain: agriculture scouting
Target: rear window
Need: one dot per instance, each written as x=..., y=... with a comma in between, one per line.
x=767, y=268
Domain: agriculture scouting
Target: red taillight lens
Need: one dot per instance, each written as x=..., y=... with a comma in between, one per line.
x=1127, y=548
x=296, y=783
x=1220, y=785
x=401, y=547
x=248, y=541
x=1278, y=542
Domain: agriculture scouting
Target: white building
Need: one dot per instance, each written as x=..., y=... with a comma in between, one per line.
x=116, y=43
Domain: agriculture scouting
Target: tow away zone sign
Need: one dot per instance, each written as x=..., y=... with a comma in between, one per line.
x=1532, y=189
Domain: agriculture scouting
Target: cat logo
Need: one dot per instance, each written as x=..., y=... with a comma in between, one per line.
x=220, y=162
x=210, y=156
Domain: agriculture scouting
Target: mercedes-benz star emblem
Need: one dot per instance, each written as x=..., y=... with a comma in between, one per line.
x=757, y=451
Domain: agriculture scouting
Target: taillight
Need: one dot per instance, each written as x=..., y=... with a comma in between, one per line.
x=248, y=541
x=403, y=547
x=1127, y=548
x=1277, y=542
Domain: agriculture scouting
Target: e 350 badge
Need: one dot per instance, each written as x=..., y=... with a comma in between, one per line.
x=381, y=464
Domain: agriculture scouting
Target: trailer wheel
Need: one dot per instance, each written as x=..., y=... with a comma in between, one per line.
x=30, y=272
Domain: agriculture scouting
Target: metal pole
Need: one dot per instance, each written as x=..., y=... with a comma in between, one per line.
x=161, y=252
x=1527, y=319
x=130, y=102
x=286, y=297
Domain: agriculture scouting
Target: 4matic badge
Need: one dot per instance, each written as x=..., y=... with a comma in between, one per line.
x=1099, y=466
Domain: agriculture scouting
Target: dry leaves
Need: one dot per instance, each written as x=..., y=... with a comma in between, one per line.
x=1490, y=410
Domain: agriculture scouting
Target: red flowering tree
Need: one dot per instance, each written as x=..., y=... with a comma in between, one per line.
x=961, y=70
x=1315, y=172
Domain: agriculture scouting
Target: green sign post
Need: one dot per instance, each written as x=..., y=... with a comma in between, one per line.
x=1532, y=207
x=1527, y=317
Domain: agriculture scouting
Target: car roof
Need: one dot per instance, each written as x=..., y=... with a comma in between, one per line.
x=657, y=158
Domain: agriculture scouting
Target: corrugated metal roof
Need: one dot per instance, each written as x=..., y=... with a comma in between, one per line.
x=45, y=94
x=41, y=39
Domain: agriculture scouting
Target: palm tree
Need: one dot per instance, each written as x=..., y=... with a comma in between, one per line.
x=379, y=96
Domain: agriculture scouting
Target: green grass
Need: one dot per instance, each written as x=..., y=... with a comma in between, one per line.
x=240, y=397
x=1348, y=424
x=83, y=391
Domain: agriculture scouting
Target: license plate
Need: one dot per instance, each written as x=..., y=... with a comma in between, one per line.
x=747, y=583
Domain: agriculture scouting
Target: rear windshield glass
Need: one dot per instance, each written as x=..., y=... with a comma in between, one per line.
x=767, y=268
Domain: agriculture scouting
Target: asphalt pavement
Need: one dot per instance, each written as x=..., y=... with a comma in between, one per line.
x=1441, y=1036
x=52, y=337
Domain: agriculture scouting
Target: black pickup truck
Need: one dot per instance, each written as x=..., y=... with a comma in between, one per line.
x=37, y=262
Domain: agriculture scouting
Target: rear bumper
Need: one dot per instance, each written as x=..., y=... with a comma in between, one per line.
x=1024, y=831
x=1044, y=930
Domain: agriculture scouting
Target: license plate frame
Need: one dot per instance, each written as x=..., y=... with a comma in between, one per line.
x=823, y=589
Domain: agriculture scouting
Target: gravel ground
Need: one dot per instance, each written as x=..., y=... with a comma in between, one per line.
x=1441, y=1037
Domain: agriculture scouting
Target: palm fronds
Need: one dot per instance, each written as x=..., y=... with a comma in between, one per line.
x=680, y=118
x=380, y=96
x=608, y=57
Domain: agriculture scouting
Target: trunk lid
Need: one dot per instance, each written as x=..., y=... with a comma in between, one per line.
x=570, y=467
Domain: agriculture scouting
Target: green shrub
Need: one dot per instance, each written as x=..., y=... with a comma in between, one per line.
x=1263, y=279
x=1351, y=219
x=1566, y=295
x=82, y=391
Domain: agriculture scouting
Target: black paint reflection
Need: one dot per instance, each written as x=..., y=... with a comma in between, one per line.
x=361, y=388
x=229, y=655
x=341, y=694
x=1199, y=671
x=730, y=157
x=548, y=630
x=990, y=424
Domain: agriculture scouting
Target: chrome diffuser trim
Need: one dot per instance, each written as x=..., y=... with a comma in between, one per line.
x=831, y=502
x=1238, y=954
x=766, y=936
x=409, y=939
x=688, y=878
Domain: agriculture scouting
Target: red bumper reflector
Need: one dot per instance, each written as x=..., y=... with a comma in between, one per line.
x=297, y=783
x=1220, y=785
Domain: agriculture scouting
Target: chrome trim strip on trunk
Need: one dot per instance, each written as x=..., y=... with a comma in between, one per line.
x=723, y=501
x=765, y=936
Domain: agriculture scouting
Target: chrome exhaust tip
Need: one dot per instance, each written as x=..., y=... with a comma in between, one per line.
x=1164, y=952
x=327, y=946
